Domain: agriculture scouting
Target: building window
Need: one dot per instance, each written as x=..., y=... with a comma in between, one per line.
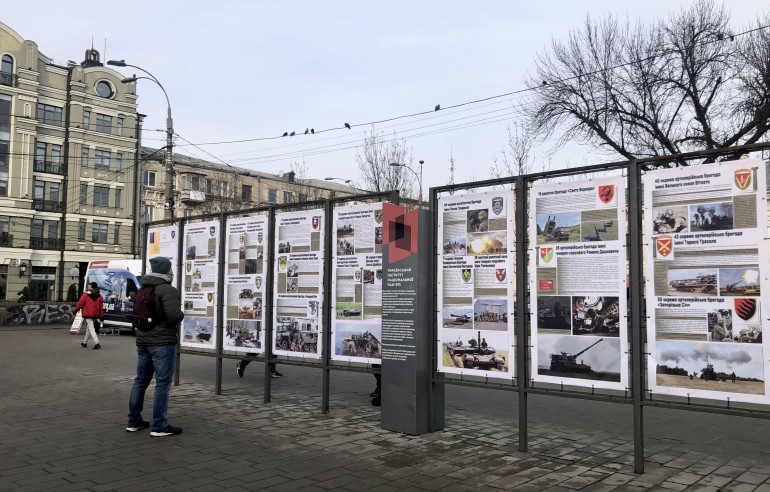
x=149, y=178
x=303, y=197
x=40, y=148
x=287, y=198
x=207, y=186
x=117, y=197
x=6, y=71
x=86, y=119
x=48, y=115
x=84, y=157
x=272, y=196
x=104, y=89
x=55, y=158
x=102, y=159
x=103, y=123
x=246, y=193
x=5, y=142
x=39, y=192
x=118, y=161
x=116, y=234
x=4, y=182
x=82, y=230
x=83, y=193
x=53, y=191
x=101, y=196
x=99, y=233
x=149, y=213
x=120, y=127
x=49, y=227
x=188, y=212
x=222, y=188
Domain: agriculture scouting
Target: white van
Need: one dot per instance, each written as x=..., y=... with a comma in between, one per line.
x=118, y=283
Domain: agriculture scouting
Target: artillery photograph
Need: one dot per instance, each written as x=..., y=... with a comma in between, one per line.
x=739, y=282
x=454, y=246
x=558, y=227
x=478, y=220
x=732, y=368
x=596, y=315
x=349, y=310
x=490, y=314
x=346, y=228
x=595, y=358
x=603, y=230
x=457, y=316
x=487, y=243
x=240, y=333
x=711, y=216
x=554, y=314
x=720, y=325
x=345, y=247
x=692, y=281
x=358, y=340
x=474, y=349
x=669, y=220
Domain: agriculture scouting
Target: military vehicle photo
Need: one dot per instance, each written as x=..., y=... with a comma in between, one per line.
x=602, y=230
x=689, y=281
x=558, y=227
x=457, y=317
x=594, y=358
x=474, y=353
x=739, y=282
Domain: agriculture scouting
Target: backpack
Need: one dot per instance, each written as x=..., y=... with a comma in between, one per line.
x=144, y=318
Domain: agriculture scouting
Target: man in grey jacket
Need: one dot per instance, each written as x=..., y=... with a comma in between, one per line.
x=156, y=350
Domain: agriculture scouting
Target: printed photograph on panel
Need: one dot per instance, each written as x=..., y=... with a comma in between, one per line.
x=478, y=220
x=490, y=314
x=558, y=227
x=734, y=368
x=358, y=340
x=346, y=228
x=602, y=230
x=296, y=334
x=587, y=357
x=720, y=323
x=670, y=220
x=487, y=243
x=454, y=246
x=349, y=310
x=345, y=246
x=457, y=316
x=596, y=315
x=743, y=282
x=198, y=330
x=711, y=217
x=243, y=333
x=554, y=315
x=475, y=349
x=692, y=281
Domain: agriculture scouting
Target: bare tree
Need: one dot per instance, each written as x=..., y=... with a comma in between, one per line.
x=687, y=83
x=376, y=173
x=517, y=157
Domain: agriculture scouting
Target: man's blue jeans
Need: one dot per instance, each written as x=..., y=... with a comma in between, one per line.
x=158, y=360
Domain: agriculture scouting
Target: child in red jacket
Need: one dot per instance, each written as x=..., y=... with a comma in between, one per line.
x=92, y=305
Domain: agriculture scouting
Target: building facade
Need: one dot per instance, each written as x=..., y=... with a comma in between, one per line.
x=68, y=147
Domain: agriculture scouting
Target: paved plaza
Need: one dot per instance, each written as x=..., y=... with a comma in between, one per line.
x=64, y=414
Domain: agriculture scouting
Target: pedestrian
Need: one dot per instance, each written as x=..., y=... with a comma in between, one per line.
x=22, y=297
x=240, y=367
x=92, y=305
x=156, y=352
x=376, y=395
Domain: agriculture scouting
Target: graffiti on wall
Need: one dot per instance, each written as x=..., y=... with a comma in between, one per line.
x=31, y=313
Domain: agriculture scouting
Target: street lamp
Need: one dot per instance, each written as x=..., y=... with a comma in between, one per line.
x=169, y=130
x=419, y=177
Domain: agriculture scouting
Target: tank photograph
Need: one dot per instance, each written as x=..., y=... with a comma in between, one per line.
x=474, y=349
x=692, y=281
x=732, y=368
x=457, y=317
x=454, y=246
x=589, y=357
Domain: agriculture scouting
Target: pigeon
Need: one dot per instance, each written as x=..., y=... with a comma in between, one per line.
x=347, y=126
x=306, y=130
x=292, y=134
x=438, y=106
x=285, y=134
x=312, y=130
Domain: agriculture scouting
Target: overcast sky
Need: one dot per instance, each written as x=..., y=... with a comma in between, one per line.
x=237, y=70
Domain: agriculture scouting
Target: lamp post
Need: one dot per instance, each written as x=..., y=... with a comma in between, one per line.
x=418, y=176
x=169, y=131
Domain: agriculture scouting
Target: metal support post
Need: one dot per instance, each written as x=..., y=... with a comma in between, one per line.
x=177, y=278
x=220, y=300
x=326, y=316
x=635, y=291
x=520, y=306
x=269, y=300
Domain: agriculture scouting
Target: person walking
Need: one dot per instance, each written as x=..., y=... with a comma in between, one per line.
x=156, y=352
x=240, y=367
x=92, y=305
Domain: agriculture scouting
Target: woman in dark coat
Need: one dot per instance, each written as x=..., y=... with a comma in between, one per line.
x=92, y=305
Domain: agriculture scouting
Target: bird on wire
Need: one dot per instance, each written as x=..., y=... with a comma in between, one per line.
x=347, y=126
x=312, y=131
x=292, y=134
x=285, y=134
x=438, y=106
x=306, y=130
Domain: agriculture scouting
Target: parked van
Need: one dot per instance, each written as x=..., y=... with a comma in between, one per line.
x=118, y=283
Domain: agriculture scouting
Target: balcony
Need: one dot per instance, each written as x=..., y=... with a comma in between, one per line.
x=44, y=243
x=47, y=205
x=9, y=79
x=193, y=196
x=6, y=240
x=49, y=167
